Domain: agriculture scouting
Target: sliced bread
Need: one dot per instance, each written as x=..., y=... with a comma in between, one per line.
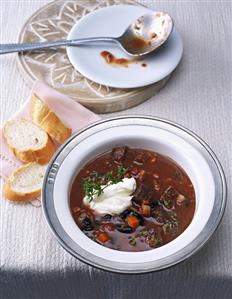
x=48, y=120
x=28, y=142
x=25, y=182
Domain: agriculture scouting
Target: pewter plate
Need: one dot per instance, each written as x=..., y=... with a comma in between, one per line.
x=77, y=251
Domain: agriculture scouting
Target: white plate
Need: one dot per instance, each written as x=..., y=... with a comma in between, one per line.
x=112, y=21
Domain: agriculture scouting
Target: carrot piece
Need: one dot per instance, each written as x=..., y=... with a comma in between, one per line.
x=102, y=237
x=133, y=221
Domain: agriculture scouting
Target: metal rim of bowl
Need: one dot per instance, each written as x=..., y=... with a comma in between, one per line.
x=74, y=249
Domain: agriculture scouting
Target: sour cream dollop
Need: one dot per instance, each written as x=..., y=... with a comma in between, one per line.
x=115, y=198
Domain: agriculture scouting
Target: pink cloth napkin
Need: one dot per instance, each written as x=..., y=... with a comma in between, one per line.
x=74, y=115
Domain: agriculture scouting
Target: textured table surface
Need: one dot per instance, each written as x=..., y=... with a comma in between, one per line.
x=198, y=96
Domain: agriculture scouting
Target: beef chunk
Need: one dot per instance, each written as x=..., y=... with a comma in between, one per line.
x=141, y=193
x=119, y=153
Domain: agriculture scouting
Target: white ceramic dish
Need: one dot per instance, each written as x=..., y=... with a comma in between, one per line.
x=143, y=132
x=105, y=22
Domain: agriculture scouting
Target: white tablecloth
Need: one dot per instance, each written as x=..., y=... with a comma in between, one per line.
x=198, y=96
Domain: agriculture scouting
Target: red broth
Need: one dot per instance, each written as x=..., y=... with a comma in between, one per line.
x=163, y=203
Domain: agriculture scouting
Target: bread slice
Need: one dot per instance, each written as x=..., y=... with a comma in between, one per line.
x=28, y=142
x=48, y=120
x=25, y=182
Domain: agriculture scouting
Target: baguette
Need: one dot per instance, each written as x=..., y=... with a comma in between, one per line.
x=48, y=120
x=28, y=142
x=25, y=183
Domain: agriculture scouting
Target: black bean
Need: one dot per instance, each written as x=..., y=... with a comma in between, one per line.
x=86, y=224
x=125, y=213
x=88, y=228
x=136, y=202
x=125, y=229
x=86, y=221
x=154, y=204
x=107, y=217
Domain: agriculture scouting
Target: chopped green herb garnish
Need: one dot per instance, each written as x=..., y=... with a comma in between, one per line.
x=177, y=175
x=166, y=227
x=158, y=241
x=167, y=203
x=171, y=224
x=96, y=183
x=144, y=233
x=132, y=241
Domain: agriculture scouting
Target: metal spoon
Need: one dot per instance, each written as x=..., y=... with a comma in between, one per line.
x=143, y=36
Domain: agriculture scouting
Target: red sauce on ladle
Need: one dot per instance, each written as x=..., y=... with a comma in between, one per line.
x=136, y=43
